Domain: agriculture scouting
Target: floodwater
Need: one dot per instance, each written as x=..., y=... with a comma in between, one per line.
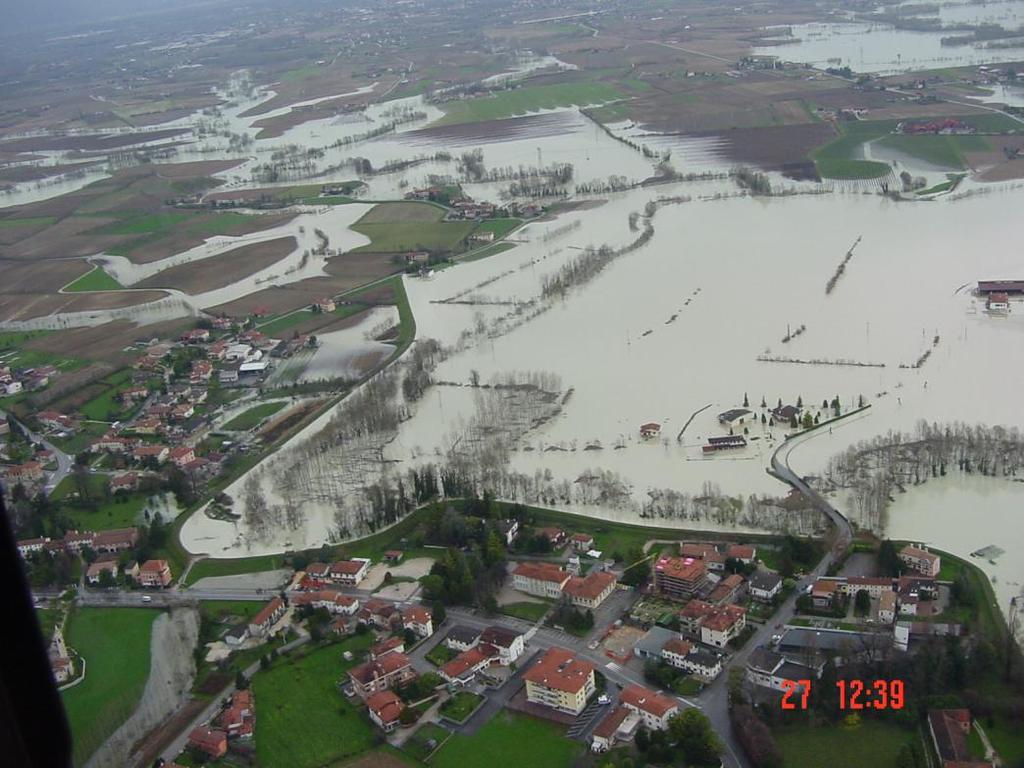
x=881, y=49
x=938, y=514
x=348, y=353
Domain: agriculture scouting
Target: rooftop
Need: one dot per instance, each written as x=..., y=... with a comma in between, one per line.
x=559, y=668
x=647, y=701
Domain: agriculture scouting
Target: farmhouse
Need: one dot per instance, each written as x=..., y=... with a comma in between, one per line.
x=210, y=741
x=734, y=417
x=650, y=429
x=561, y=681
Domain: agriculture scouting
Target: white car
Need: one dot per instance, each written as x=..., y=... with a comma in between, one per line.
x=603, y=699
x=147, y=599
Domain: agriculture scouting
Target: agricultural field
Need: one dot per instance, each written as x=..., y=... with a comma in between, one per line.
x=943, y=151
x=224, y=269
x=510, y=739
x=304, y=720
x=97, y=280
x=253, y=417
x=116, y=672
x=404, y=227
x=528, y=99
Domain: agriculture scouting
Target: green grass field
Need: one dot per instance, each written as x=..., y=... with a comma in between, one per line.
x=151, y=228
x=304, y=721
x=253, y=416
x=840, y=158
x=96, y=280
x=510, y=739
x=284, y=322
x=115, y=645
x=32, y=221
x=219, y=610
x=526, y=611
x=107, y=407
x=873, y=742
x=402, y=236
x=1008, y=740
x=500, y=227
x=234, y=567
x=528, y=99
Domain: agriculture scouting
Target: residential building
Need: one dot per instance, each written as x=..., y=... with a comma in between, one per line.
x=654, y=709
x=211, y=741
x=267, y=617
x=509, y=644
x=888, y=605
x=561, y=681
x=76, y=541
x=823, y=591
x=418, y=619
x=393, y=644
x=349, y=572
x=389, y=671
x=555, y=536
x=182, y=455
x=704, y=665
x=875, y=586
x=540, y=579
x=115, y=540
x=464, y=667
x=155, y=573
x=238, y=718
x=591, y=590
x=581, y=542
x=380, y=614
x=331, y=599
x=28, y=546
x=127, y=482
x=462, y=638
x=727, y=590
x=745, y=553
x=679, y=577
x=948, y=729
x=237, y=635
x=764, y=585
x=770, y=669
x=30, y=471
x=318, y=571
x=325, y=305
x=385, y=708
x=618, y=725
x=92, y=574
x=722, y=625
x=509, y=530
x=157, y=453
x=918, y=558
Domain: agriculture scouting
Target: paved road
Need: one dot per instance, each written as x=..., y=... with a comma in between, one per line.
x=64, y=461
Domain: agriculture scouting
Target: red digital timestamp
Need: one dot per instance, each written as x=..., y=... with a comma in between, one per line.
x=853, y=694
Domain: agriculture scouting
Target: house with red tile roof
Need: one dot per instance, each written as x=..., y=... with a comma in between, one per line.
x=267, y=617
x=591, y=590
x=385, y=710
x=539, y=578
x=115, y=540
x=654, y=709
x=182, y=454
x=679, y=577
x=155, y=573
x=238, y=718
x=418, y=619
x=92, y=574
x=949, y=729
x=618, y=725
x=349, y=572
x=560, y=680
x=464, y=667
x=388, y=645
x=158, y=453
x=211, y=741
x=388, y=672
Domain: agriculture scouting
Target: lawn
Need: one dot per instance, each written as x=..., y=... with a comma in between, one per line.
x=525, y=611
x=96, y=280
x=304, y=721
x=120, y=511
x=510, y=739
x=115, y=645
x=1008, y=740
x=528, y=99
x=873, y=742
x=460, y=706
x=440, y=655
x=253, y=417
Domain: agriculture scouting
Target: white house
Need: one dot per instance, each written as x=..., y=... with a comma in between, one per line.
x=764, y=585
x=654, y=709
